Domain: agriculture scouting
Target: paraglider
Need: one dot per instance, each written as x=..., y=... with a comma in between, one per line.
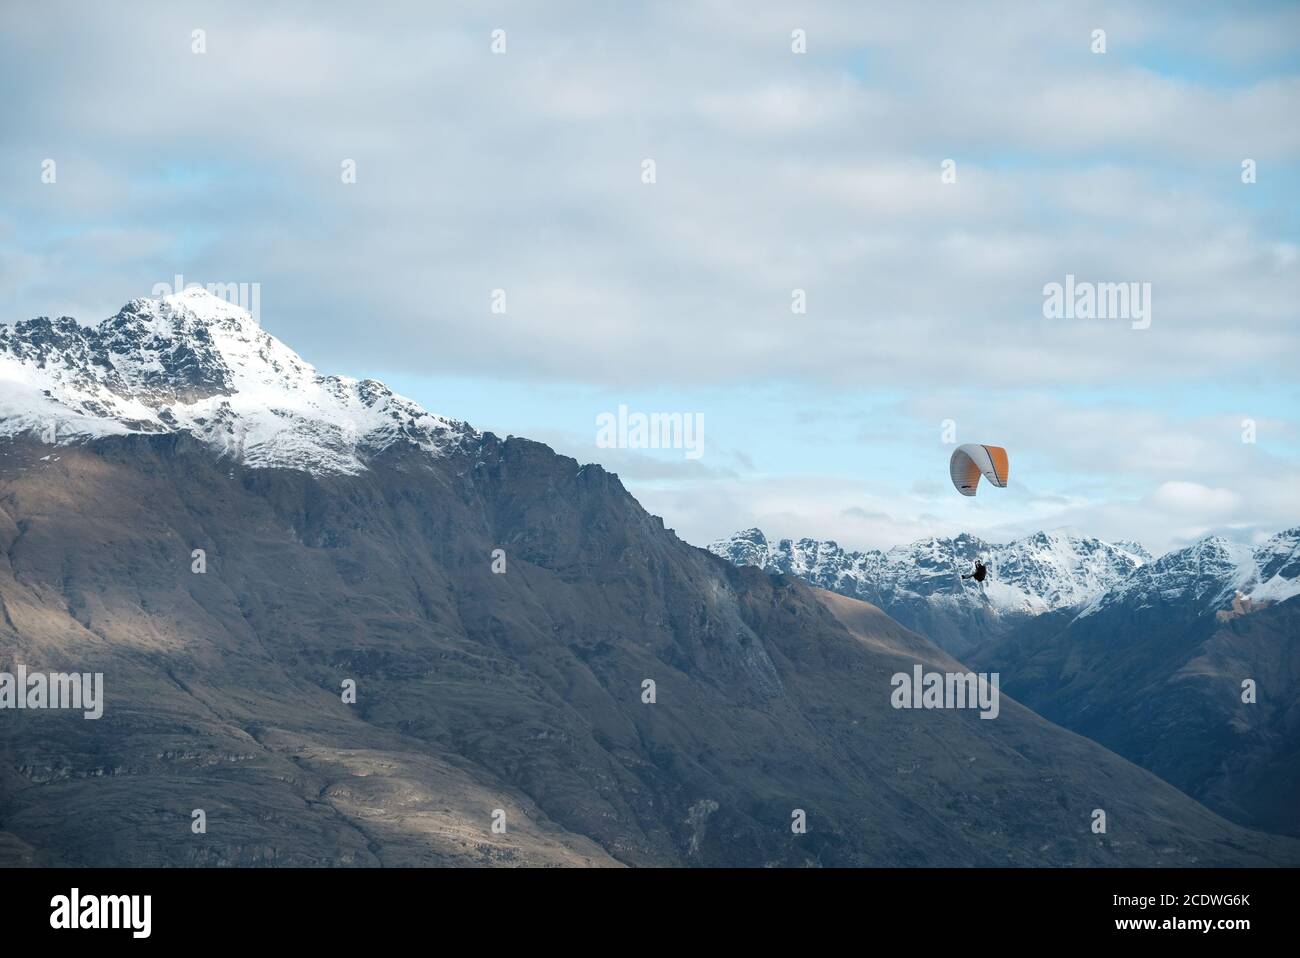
x=968, y=463
x=972, y=460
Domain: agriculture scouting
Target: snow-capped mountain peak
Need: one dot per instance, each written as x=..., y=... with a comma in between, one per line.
x=921, y=584
x=195, y=362
x=1047, y=570
x=1135, y=549
x=1209, y=574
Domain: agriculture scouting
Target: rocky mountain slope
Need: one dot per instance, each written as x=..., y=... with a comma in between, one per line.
x=512, y=694
x=1154, y=670
x=920, y=584
x=1207, y=575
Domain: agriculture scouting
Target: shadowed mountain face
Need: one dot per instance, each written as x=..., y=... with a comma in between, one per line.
x=1155, y=671
x=476, y=691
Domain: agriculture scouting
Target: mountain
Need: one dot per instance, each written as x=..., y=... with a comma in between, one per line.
x=1207, y=576
x=920, y=584
x=361, y=540
x=195, y=363
x=1154, y=670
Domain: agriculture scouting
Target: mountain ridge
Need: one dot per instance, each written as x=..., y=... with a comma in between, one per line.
x=522, y=691
x=1210, y=572
x=371, y=558
x=920, y=583
x=194, y=362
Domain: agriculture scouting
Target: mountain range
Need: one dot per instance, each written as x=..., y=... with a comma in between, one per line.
x=350, y=632
x=1154, y=669
x=1146, y=656
x=920, y=584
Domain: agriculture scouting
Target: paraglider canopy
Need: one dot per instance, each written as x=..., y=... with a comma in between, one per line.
x=973, y=460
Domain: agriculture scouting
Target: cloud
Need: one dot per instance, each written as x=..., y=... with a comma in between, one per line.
x=775, y=172
x=1194, y=499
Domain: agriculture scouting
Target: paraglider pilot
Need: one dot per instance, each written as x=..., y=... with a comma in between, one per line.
x=980, y=573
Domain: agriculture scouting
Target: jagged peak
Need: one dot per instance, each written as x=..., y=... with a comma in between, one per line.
x=1208, y=572
x=1041, y=571
x=193, y=361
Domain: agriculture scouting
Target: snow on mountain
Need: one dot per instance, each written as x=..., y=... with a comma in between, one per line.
x=1277, y=563
x=1035, y=574
x=1208, y=575
x=195, y=362
x=920, y=583
x=1135, y=549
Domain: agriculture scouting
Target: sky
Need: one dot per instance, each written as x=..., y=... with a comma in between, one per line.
x=921, y=173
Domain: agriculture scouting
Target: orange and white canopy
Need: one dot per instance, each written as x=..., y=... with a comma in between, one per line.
x=972, y=460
